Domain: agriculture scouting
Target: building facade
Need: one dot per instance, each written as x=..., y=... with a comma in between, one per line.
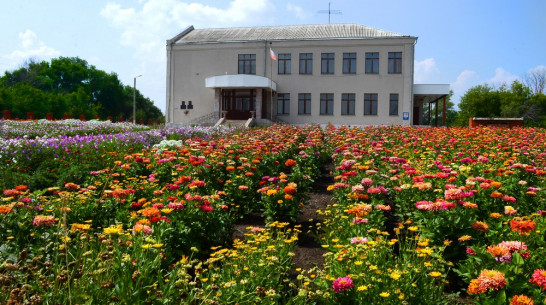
x=343, y=74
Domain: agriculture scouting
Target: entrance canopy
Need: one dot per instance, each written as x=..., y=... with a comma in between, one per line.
x=239, y=81
x=430, y=94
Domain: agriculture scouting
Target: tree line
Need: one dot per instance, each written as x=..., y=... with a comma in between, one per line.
x=70, y=87
x=521, y=99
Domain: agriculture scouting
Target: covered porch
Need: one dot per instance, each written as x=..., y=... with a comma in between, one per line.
x=427, y=95
x=242, y=96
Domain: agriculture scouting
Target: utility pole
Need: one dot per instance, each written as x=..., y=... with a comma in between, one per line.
x=134, y=99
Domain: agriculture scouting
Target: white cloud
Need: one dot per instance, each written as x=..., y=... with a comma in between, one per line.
x=466, y=80
x=298, y=11
x=426, y=71
x=146, y=29
x=31, y=48
x=502, y=77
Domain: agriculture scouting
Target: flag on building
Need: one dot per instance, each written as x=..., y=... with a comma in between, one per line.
x=272, y=54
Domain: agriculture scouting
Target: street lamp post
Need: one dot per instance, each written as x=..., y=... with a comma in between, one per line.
x=134, y=99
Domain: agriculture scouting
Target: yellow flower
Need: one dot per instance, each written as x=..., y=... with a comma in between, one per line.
x=114, y=229
x=166, y=211
x=395, y=275
x=146, y=246
x=358, y=263
x=435, y=274
x=413, y=228
x=362, y=288
x=384, y=294
x=157, y=245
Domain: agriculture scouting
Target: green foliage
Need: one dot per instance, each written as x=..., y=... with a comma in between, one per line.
x=514, y=102
x=70, y=85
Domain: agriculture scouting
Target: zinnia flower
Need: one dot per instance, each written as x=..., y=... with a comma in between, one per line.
x=342, y=284
x=43, y=220
x=480, y=226
x=522, y=226
x=521, y=300
x=290, y=162
x=539, y=278
x=488, y=280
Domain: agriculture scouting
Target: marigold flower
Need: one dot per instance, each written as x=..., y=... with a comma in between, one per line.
x=495, y=215
x=539, y=278
x=80, y=227
x=480, y=226
x=435, y=274
x=342, y=284
x=521, y=300
x=114, y=229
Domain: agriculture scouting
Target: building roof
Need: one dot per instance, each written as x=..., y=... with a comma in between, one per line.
x=289, y=32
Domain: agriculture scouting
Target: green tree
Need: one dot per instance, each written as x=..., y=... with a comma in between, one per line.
x=479, y=101
x=70, y=85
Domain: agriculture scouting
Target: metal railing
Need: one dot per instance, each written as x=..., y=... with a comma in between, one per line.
x=207, y=118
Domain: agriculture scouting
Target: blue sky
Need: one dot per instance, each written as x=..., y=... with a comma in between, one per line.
x=463, y=43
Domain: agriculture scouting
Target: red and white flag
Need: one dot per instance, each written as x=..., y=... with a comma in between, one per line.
x=272, y=54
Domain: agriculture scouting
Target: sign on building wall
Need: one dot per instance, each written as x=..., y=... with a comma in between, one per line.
x=405, y=116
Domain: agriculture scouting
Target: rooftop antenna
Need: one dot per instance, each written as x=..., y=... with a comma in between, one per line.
x=330, y=12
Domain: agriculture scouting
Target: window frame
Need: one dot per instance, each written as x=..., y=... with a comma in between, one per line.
x=395, y=63
x=372, y=63
x=283, y=99
x=305, y=99
x=306, y=63
x=372, y=99
x=246, y=62
x=284, y=64
x=349, y=63
x=348, y=101
x=392, y=99
x=326, y=104
x=327, y=63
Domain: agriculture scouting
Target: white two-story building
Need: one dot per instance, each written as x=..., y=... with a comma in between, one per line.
x=344, y=74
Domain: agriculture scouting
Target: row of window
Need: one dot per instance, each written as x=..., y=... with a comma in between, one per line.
x=327, y=103
x=247, y=63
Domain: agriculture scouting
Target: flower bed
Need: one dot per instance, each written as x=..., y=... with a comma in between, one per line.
x=421, y=216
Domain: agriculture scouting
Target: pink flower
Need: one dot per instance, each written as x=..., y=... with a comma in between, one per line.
x=43, y=220
x=342, y=284
x=359, y=240
x=366, y=181
x=358, y=220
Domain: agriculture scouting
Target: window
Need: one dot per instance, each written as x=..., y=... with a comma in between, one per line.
x=370, y=103
x=372, y=62
x=304, y=103
x=306, y=63
x=348, y=104
x=283, y=103
x=327, y=63
x=285, y=61
x=395, y=62
x=326, y=103
x=349, y=63
x=247, y=63
x=393, y=104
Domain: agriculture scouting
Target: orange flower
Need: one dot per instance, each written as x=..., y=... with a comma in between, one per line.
x=290, y=188
x=498, y=251
x=480, y=226
x=150, y=212
x=521, y=300
x=496, y=184
x=290, y=162
x=522, y=226
x=488, y=280
x=496, y=195
x=4, y=209
x=21, y=188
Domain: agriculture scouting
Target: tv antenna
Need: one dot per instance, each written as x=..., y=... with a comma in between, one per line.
x=330, y=12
